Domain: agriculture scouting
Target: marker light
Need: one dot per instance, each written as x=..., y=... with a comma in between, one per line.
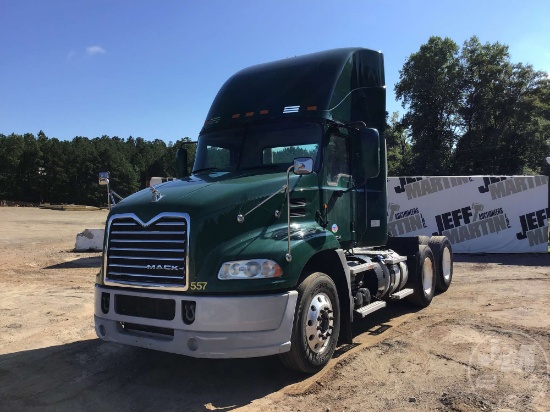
x=250, y=269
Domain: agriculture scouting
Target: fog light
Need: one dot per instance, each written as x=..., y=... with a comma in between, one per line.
x=105, y=302
x=192, y=344
x=102, y=331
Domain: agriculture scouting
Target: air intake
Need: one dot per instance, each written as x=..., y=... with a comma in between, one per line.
x=147, y=254
x=297, y=208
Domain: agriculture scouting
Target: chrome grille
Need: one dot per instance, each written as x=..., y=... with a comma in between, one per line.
x=147, y=254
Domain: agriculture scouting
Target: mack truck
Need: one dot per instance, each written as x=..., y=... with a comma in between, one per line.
x=277, y=240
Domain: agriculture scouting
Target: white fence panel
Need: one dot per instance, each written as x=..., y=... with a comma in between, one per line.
x=479, y=214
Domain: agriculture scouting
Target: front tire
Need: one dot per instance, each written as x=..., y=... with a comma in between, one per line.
x=316, y=325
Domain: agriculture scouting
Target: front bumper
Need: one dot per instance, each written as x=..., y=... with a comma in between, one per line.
x=224, y=327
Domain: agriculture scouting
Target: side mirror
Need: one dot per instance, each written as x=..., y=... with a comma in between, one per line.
x=181, y=162
x=367, y=163
x=303, y=166
x=103, y=178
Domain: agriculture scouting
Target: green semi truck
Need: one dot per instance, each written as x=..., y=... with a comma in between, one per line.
x=277, y=241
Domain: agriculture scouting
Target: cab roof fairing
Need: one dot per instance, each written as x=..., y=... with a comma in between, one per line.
x=345, y=85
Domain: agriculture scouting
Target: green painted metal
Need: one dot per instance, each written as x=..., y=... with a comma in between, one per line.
x=344, y=85
x=332, y=89
x=213, y=202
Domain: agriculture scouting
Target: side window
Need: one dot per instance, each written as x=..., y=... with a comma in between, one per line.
x=337, y=162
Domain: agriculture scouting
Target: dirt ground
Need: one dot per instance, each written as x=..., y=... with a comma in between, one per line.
x=482, y=345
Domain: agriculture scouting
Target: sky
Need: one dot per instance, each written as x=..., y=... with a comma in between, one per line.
x=151, y=69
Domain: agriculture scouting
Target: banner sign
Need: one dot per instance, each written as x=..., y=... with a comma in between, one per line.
x=479, y=214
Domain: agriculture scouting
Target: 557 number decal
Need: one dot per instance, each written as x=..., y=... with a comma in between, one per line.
x=198, y=285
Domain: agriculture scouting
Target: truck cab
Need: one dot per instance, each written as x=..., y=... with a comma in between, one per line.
x=277, y=241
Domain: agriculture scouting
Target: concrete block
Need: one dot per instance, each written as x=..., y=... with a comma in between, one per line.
x=90, y=239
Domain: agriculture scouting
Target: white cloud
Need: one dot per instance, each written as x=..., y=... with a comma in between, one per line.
x=71, y=55
x=93, y=50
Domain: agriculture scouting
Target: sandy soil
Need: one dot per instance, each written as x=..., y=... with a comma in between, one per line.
x=483, y=345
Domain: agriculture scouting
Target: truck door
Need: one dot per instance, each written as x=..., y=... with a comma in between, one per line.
x=337, y=180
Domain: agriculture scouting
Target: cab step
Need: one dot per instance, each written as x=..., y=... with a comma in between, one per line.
x=363, y=267
x=395, y=260
x=373, y=307
x=401, y=294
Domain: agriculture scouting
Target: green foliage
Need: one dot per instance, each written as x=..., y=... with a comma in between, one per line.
x=430, y=86
x=11, y=149
x=41, y=169
x=469, y=111
x=398, y=145
x=472, y=111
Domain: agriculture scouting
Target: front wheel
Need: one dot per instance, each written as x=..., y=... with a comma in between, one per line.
x=316, y=325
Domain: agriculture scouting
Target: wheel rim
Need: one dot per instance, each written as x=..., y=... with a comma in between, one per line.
x=446, y=264
x=319, y=323
x=427, y=276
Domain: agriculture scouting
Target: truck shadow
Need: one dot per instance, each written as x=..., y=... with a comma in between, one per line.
x=378, y=322
x=96, y=375
x=521, y=259
x=84, y=262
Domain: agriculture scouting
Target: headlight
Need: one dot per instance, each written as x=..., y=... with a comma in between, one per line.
x=250, y=269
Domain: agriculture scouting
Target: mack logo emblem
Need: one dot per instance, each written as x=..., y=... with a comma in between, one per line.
x=164, y=267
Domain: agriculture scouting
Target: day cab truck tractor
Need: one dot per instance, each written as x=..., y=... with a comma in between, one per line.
x=277, y=241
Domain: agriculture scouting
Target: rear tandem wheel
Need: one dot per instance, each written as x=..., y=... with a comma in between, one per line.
x=443, y=258
x=423, y=278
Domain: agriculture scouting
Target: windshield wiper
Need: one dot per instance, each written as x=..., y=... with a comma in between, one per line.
x=204, y=169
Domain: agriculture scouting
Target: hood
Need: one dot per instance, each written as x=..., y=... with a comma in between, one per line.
x=206, y=193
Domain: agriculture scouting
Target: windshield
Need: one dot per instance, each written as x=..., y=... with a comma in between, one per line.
x=267, y=145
